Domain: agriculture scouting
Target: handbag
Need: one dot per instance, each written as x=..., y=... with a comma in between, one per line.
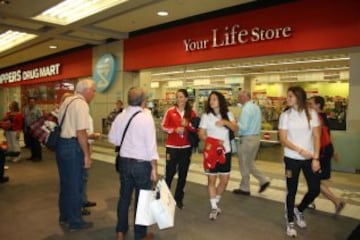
x=54, y=135
x=117, y=148
x=163, y=207
x=144, y=215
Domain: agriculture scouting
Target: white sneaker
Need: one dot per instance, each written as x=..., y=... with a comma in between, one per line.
x=214, y=213
x=290, y=230
x=300, y=220
x=6, y=167
x=16, y=159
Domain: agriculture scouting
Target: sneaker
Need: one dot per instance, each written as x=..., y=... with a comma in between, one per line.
x=312, y=206
x=300, y=220
x=290, y=230
x=214, y=213
x=6, y=167
x=339, y=208
x=16, y=159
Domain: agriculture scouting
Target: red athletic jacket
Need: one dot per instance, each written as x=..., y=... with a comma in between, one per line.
x=213, y=152
x=171, y=121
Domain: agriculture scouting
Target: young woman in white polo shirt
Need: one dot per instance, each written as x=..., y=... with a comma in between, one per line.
x=216, y=123
x=299, y=130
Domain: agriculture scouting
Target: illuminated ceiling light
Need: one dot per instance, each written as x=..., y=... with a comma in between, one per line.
x=162, y=13
x=53, y=47
x=10, y=39
x=70, y=11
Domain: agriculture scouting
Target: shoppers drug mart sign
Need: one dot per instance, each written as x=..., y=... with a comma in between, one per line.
x=235, y=35
x=30, y=74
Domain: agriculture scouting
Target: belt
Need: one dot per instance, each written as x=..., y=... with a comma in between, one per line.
x=132, y=160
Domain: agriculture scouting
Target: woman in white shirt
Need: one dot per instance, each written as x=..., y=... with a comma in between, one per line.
x=299, y=130
x=216, y=123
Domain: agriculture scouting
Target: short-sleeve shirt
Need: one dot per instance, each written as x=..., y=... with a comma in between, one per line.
x=298, y=130
x=208, y=121
x=76, y=118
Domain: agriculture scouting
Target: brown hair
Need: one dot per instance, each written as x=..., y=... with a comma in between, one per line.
x=300, y=95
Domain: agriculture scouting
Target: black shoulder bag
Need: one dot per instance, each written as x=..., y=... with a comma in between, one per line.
x=54, y=135
x=117, y=160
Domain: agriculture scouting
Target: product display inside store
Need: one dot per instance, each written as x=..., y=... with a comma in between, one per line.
x=268, y=79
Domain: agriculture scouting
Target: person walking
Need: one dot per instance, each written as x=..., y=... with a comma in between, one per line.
x=326, y=153
x=31, y=114
x=249, y=124
x=299, y=131
x=177, y=124
x=14, y=118
x=73, y=154
x=134, y=132
x=215, y=125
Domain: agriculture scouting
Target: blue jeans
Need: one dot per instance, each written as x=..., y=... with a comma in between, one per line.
x=134, y=174
x=70, y=160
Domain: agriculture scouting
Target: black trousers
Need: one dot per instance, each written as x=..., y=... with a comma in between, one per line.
x=2, y=163
x=35, y=147
x=292, y=171
x=177, y=160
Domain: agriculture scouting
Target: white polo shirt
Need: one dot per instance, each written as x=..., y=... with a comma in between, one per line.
x=208, y=122
x=298, y=131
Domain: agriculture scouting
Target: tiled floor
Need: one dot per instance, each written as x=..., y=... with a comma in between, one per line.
x=28, y=204
x=344, y=185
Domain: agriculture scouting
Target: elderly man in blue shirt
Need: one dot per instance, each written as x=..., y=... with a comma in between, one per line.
x=249, y=124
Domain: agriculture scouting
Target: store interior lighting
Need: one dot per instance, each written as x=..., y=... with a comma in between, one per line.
x=10, y=39
x=254, y=65
x=70, y=11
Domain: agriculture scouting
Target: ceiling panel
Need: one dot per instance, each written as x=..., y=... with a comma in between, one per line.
x=178, y=9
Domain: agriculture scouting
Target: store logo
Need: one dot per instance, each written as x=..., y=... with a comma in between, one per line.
x=235, y=35
x=105, y=72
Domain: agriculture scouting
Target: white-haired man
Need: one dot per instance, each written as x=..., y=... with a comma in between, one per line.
x=73, y=154
x=249, y=131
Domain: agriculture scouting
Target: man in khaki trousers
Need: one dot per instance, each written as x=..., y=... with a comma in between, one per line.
x=249, y=124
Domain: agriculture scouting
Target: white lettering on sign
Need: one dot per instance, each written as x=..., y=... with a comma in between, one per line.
x=235, y=35
x=35, y=73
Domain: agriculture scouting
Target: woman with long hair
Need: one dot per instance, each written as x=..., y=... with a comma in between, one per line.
x=326, y=153
x=299, y=130
x=177, y=125
x=215, y=125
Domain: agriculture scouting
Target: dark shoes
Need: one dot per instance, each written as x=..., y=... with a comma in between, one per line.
x=85, y=225
x=4, y=179
x=241, y=192
x=264, y=187
x=148, y=236
x=89, y=204
x=339, y=208
x=85, y=212
x=180, y=204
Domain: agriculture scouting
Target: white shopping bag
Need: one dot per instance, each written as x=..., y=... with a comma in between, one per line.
x=144, y=215
x=163, y=207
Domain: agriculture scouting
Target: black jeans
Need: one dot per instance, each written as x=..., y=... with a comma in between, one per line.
x=177, y=159
x=292, y=171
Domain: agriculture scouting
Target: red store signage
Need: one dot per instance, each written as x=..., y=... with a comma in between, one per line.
x=63, y=66
x=298, y=26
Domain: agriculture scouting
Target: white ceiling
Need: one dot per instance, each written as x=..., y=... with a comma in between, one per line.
x=112, y=24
